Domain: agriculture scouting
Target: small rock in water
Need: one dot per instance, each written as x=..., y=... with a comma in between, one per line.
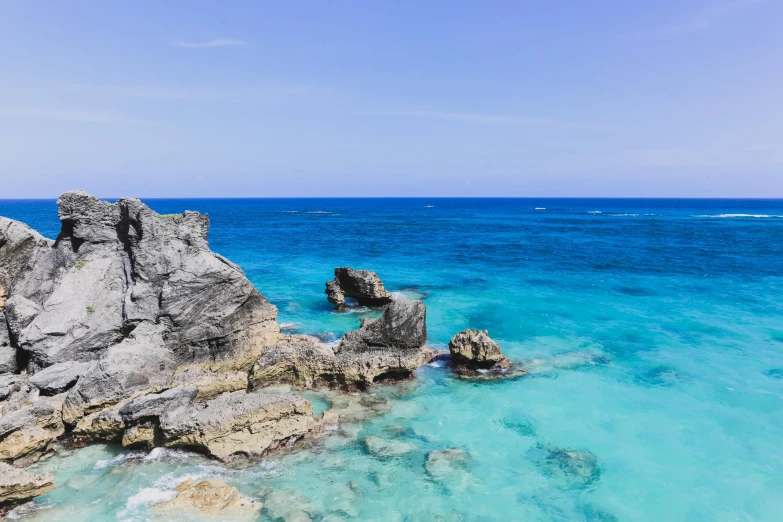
x=362, y=285
x=475, y=355
x=387, y=448
x=208, y=498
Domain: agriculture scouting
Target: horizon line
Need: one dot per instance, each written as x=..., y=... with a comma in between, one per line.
x=249, y=198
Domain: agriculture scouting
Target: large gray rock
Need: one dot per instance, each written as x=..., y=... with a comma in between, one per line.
x=363, y=285
x=18, y=486
x=7, y=352
x=58, y=378
x=139, y=365
x=156, y=404
x=392, y=346
x=116, y=266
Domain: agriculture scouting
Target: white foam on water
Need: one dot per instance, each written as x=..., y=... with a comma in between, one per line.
x=118, y=459
x=738, y=216
x=595, y=212
x=290, y=211
x=318, y=212
x=145, y=497
x=429, y=206
x=540, y=208
x=168, y=453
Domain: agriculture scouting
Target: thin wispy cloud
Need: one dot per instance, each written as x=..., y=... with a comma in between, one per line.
x=698, y=22
x=70, y=115
x=220, y=42
x=474, y=117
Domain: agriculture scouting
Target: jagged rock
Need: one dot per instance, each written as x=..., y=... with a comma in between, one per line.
x=141, y=436
x=363, y=285
x=14, y=392
x=386, y=447
x=7, y=351
x=117, y=266
x=476, y=356
x=18, y=486
x=297, y=359
x=106, y=424
x=238, y=422
x=139, y=365
x=156, y=404
x=27, y=431
x=58, y=378
x=475, y=349
x=3, y=297
x=210, y=498
x=392, y=346
x=211, y=384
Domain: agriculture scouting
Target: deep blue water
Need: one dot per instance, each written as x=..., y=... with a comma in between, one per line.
x=653, y=330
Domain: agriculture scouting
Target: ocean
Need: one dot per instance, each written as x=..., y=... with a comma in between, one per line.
x=652, y=331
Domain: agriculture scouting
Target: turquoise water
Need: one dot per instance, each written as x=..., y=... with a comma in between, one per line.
x=653, y=330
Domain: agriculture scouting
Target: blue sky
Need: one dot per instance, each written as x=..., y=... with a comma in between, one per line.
x=559, y=98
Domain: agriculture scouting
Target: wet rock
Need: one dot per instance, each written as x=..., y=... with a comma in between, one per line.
x=238, y=423
x=210, y=498
x=475, y=349
x=18, y=486
x=59, y=377
x=390, y=347
x=289, y=506
x=386, y=448
x=363, y=285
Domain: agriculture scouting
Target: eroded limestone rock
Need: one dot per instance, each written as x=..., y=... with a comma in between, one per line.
x=363, y=285
x=238, y=423
x=18, y=486
x=208, y=499
x=392, y=346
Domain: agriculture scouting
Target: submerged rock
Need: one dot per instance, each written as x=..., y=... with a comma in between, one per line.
x=447, y=467
x=363, y=285
x=387, y=447
x=211, y=498
x=289, y=506
x=392, y=346
x=573, y=468
x=18, y=486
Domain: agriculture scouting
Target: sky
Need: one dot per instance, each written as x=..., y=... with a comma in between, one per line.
x=625, y=98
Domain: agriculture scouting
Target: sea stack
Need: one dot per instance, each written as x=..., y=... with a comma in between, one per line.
x=363, y=285
x=475, y=355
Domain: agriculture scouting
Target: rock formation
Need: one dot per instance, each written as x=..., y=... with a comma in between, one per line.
x=210, y=498
x=392, y=346
x=117, y=267
x=18, y=486
x=363, y=285
x=475, y=355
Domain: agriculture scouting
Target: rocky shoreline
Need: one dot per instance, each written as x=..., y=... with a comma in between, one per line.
x=127, y=328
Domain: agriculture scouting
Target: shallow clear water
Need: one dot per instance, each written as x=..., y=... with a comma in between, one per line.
x=653, y=330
